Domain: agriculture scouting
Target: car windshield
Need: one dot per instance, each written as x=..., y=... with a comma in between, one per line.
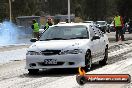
x=65, y=33
x=101, y=23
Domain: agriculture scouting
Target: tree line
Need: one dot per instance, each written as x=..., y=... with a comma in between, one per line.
x=86, y=9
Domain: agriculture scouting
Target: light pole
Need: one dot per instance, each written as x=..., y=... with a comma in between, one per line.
x=10, y=9
x=69, y=14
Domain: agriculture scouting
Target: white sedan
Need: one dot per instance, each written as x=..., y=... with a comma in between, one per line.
x=69, y=45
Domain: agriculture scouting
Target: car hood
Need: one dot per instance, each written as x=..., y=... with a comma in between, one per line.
x=58, y=44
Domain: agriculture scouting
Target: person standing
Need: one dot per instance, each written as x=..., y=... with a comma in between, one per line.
x=118, y=24
x=130, y=26
x=48, y=23
x=35, y=28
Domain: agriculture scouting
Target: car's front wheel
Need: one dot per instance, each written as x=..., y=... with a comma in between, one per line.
x=104, y=61
x=88, y=61
x=33, y=71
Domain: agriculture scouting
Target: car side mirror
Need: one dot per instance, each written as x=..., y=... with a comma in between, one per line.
x=95, y=37
x=33, y=40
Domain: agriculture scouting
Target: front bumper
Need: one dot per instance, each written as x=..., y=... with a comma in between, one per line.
x=63, y=61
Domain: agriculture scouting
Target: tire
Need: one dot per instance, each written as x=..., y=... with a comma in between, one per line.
x=88, y=61
x=104, y=61
x=33, y=71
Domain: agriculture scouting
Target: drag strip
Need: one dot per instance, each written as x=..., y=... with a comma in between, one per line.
x=18, y=54
x=14, y=74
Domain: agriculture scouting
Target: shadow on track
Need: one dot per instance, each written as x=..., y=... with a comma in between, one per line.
x=58, y=72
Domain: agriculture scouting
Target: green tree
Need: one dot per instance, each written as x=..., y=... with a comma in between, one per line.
x=124, y=7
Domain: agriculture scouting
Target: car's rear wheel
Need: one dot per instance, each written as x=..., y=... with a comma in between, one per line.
x=33, y=71
x=104, y=61
x=88, y=61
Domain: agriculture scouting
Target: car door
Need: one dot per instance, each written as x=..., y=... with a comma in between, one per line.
x=102, y=43
x=94, y=44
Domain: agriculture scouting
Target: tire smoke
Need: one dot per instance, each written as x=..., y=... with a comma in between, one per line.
x=9, y=33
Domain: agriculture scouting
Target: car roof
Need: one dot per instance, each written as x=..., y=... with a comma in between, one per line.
x=100, y=21
x=74, y=24
x=89, y=21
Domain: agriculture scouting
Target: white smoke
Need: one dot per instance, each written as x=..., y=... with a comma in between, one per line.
x=9, y=33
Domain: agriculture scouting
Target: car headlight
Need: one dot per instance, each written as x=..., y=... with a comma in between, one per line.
x=33, y=53
x=75, y=51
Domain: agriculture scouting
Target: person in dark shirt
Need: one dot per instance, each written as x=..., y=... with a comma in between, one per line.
x=48, y=23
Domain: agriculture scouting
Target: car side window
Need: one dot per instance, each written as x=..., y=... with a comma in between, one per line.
x=92, y=31
x=100, y=33
x=97, y=31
